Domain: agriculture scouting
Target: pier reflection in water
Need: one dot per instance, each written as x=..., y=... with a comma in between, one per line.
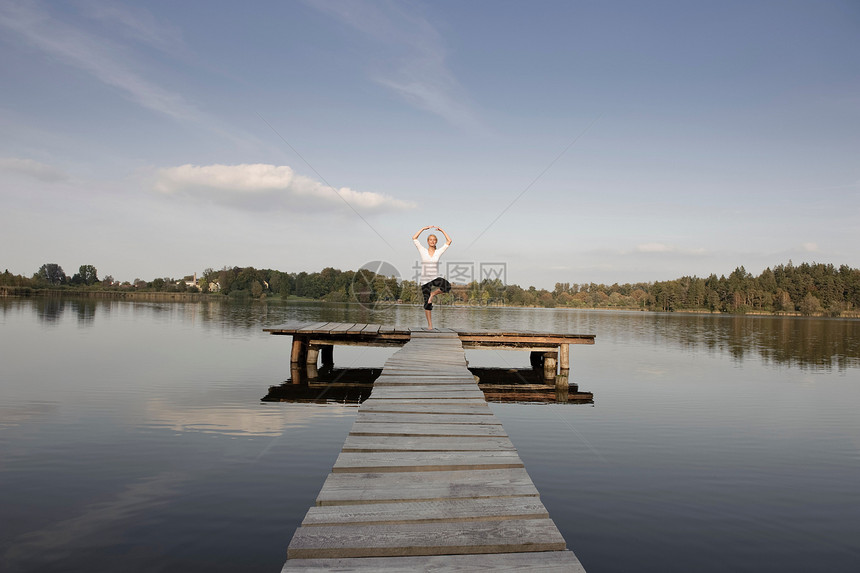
x=353, y=386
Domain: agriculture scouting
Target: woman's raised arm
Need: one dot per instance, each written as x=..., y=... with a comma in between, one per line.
x=447, y=238
x=418, y=234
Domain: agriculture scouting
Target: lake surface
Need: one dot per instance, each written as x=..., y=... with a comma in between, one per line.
x=133, y=436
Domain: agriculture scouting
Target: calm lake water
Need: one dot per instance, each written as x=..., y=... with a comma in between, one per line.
x=133, y=436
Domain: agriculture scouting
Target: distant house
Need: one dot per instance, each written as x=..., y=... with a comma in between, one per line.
x=190, y=280
x=214, y=286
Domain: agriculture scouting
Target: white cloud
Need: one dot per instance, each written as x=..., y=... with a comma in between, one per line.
x=262, y=186
x=810, y=247
x=32, y=168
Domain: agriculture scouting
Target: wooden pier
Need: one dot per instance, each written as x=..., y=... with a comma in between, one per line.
x=315, y=341
x=427, y=478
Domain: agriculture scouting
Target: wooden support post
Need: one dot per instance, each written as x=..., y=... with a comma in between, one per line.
x=564, y=356
x=550, y=361
x=561, y=386
x=327, y=354
x=300, y=350
x=296, y=374
x=313, y=355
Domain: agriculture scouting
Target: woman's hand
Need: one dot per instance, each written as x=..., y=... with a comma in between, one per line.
x=447, y=238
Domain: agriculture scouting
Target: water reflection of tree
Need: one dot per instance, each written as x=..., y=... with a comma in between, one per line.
x=815, y=343
x=801, y=342
x=50, y=309
x=85, y=310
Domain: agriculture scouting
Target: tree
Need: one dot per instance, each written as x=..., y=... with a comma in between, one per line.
x=810, y=304
x=52, y=273
x=89, y=275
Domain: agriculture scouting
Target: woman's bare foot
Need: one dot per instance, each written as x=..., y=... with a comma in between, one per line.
x=432, y=294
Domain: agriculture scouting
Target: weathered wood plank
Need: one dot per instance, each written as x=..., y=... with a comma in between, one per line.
x=357, y=328
x=419, y=418
x=311, y=327
x=428, y=395
x=545, y=562
x=424, y=461
x=417, y=407
x=424, y=381
x=374, y=487
x=468, y=509
x=405, y=428
x=410, y=393
x=425, y=443
x=419, y=387
x=371, y=329
x=466, y=537
x=287, y=328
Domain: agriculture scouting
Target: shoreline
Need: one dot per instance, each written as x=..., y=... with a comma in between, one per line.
x=28, y=292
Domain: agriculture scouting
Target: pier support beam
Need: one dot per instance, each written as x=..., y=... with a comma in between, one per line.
x=564, y=356
x=550, y=363
x=300, y=350
x=561, y=386
x=313, y=355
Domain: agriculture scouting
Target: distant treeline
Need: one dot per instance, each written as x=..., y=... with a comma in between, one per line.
x=809, y=289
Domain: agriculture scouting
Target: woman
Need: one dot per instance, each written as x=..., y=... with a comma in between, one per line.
x=433, y=284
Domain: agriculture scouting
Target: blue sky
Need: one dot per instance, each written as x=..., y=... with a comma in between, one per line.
x=573, y=141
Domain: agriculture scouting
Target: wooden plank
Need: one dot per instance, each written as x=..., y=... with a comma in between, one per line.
x=419, y=393
x=405, y=428
x=523, y=333
x=287, y=328
x=482, y=509
x=425, y=443
x=467, y=537
x=371, y=329
x=424, y=461
x=418, y=418
x=357, y=328
x=410, y=384
x=341, y=327
x=360, y=488
x=310, y=327
x=430, y=399
x=423, y=393
x=545, y=562
x=402, y=407
x=425, y=381
x=530, y=339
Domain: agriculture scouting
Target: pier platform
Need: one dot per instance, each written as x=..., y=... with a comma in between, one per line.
x=427, y=478
x=313, y=342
